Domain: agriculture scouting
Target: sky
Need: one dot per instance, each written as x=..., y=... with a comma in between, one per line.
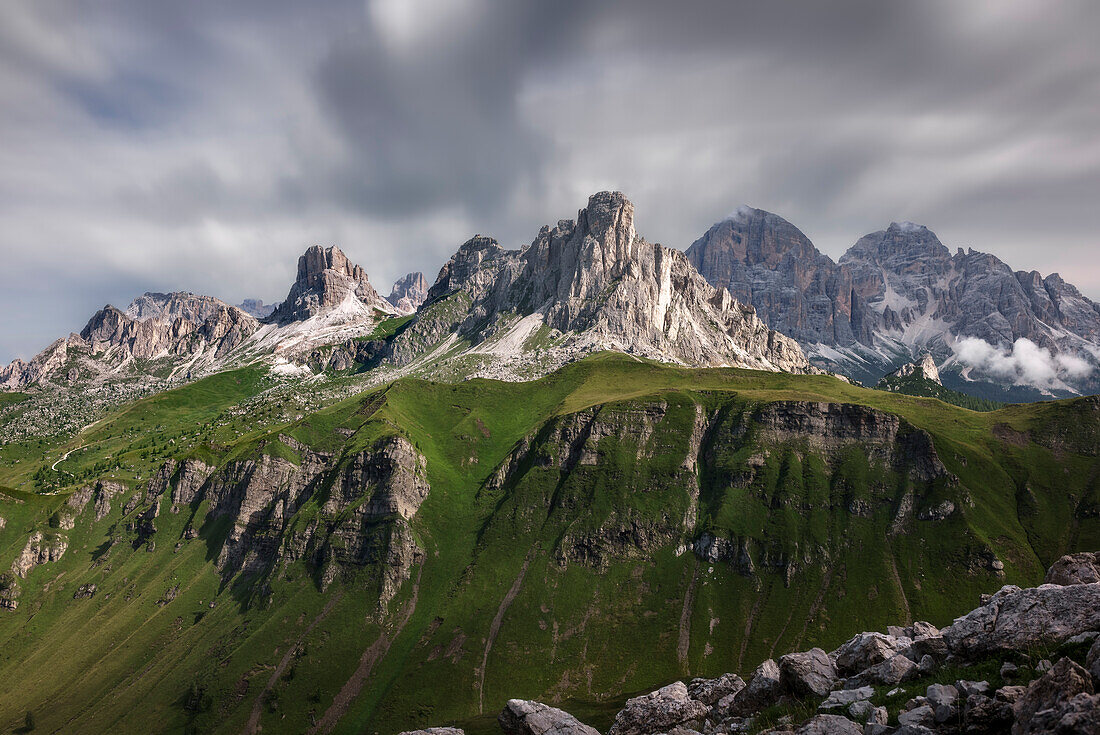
x=203, y=145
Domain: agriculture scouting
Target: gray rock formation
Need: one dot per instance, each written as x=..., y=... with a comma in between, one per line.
x=766, y=261
x=534, y=718
x=40, y=549
x=1082, y=568
x=658, y=712
x=1017, y=619
x=409, y=292
x=807, y=673
x=1060, y=701
x=594, y=284
x=328, y=281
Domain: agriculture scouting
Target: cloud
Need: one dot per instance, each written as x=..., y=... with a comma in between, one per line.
x=1024, y=363
x=203, y=145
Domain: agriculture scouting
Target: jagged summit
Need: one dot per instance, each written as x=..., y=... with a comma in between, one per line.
x=594, y=284
x=925, y=368
x=409, y=292
x=326, y=281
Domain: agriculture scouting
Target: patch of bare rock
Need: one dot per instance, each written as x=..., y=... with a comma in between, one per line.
x=1043, y=643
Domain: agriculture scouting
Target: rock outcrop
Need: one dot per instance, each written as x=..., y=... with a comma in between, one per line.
x=257, y=308
x=40, y=549
x=1016, y=619
x=1083, y=568
x=534, y=718
x=326, y=282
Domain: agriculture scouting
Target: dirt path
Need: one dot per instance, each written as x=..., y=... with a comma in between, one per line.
x=683, y=646
x=253, y=725
x=494, y=628
x=374, y=653
x=901, y=589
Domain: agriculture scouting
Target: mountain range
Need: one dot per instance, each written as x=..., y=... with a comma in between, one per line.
x=593, y=283
x=571, y=472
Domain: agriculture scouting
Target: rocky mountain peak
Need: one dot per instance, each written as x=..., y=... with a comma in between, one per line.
x=601, y=286
x=409, y=292
x=326, y=281
x=924, y=368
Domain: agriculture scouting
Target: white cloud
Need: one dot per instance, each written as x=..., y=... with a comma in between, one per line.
x=1024, y=363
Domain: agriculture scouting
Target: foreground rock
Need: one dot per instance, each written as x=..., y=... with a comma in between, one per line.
x=534, y=718
x=658, y=711
x=1083, y=568
x=1017, y=619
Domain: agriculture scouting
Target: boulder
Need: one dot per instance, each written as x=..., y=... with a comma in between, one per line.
x=865, y=650
x=841, y=698
x=938, y=694
x=711, y=691
x=829, y=725
x=658, y=711
x=1083, y=568
x=1092, y=661
x=984, y=714
x=923, y=715
x=891, y=671
x=521, y=717
x=861, y=711
x=1017, y=619
x=807, y=673
x=764, y=689
x=1061, y=700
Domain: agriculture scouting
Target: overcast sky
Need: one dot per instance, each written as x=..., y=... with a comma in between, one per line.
x=202, y=145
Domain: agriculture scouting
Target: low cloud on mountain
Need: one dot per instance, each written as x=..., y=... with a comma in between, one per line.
x=1022, y=363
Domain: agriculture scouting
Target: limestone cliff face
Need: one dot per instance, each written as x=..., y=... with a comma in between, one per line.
x=327, y=281
x=623, y=480
x=368, y=501
x=185, y=325
x=599, y=285
x=766, y=261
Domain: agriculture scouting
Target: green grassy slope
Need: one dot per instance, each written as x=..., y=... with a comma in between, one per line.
x=566, y=582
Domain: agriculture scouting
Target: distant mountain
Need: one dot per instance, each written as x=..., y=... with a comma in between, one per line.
x=409, y=292
x=195, y=331
x=257, y=308
x=899, y=292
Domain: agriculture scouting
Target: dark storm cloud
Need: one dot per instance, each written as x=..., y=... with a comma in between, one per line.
x=202, y=145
